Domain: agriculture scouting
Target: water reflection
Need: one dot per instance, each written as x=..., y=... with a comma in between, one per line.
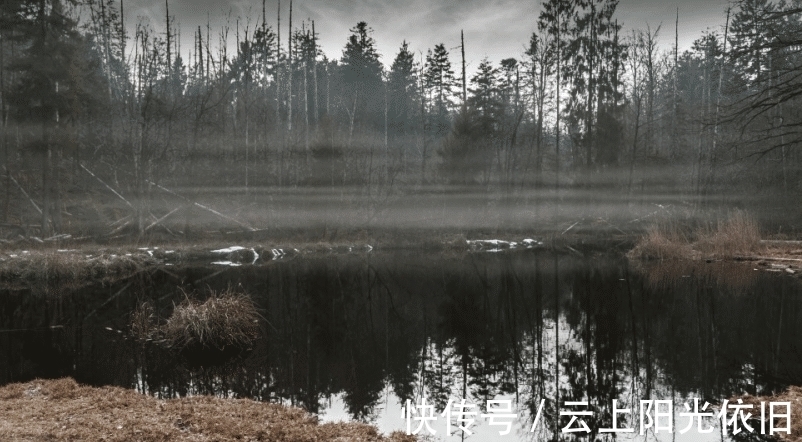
x=525, y=325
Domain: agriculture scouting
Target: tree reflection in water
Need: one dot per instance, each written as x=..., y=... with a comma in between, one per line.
x=527, y=325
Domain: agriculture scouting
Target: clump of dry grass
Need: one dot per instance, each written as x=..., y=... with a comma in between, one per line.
x=663, y=241
x=143, y=322
x=62, y=410
x=224, y=320
x=739, y=233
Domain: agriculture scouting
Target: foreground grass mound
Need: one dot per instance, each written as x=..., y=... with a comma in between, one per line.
x=61, y=410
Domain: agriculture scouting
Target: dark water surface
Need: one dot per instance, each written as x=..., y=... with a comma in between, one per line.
x=355, y=335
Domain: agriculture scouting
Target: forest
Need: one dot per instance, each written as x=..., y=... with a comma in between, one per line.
x=101, y=125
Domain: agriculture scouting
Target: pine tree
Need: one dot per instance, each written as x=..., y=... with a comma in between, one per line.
x=403, y=91
x=54, y=86
x=485, y=98
x=749, y=34
x=362, y=75
x=538, y=64
x=439, y=83
x=554, y=20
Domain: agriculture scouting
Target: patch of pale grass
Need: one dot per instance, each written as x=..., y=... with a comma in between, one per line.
x=62, y=410
x=738, y=234
x=662, y=241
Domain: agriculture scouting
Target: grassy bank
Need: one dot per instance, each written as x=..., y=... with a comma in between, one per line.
x=738, y=234
x=737, y=237
x=61, y=410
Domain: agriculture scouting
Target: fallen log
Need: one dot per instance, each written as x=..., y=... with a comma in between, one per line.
x=197, y=204
x=22, y=190
x=160, y=220
x=107, y=186
x=765, y=258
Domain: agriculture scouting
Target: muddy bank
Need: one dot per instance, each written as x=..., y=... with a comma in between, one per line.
x=61, y=410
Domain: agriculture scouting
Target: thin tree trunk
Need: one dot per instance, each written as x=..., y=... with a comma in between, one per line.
x=167, y=16
x=634, y=147
x=714, y=151
x=290, y=74
x=385, y=117
x=423, y=126
x=636, y=95
x=650, y=48
x=316, y=110
x=351, y=125
x=674, y=122
x=280, y=148
x=540, y=108
x=57, y=222
x=464, y=80
x=247, y=147
x=46, y=183
x=591, y=90
x=701, y=133
x=306, y=117
x=327, y=88
x=4, y=140
x=4, y=122
x=46, y=142
x=557, y=98
x=208, y=49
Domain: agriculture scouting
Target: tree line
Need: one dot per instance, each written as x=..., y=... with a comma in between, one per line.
x=79, y=96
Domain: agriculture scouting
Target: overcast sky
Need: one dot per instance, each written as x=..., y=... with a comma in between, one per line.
x=496, y=29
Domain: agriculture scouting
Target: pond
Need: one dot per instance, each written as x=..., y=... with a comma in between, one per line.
x=356, y=335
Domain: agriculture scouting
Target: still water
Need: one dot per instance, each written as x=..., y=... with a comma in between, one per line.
x=355, y=335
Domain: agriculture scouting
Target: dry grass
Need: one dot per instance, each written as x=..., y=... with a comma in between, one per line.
x=68, y=268
x=662, y=241
x=62, y=410
x=792, y=395
x=143, y=323
x=224, y=320
x=738, y=234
